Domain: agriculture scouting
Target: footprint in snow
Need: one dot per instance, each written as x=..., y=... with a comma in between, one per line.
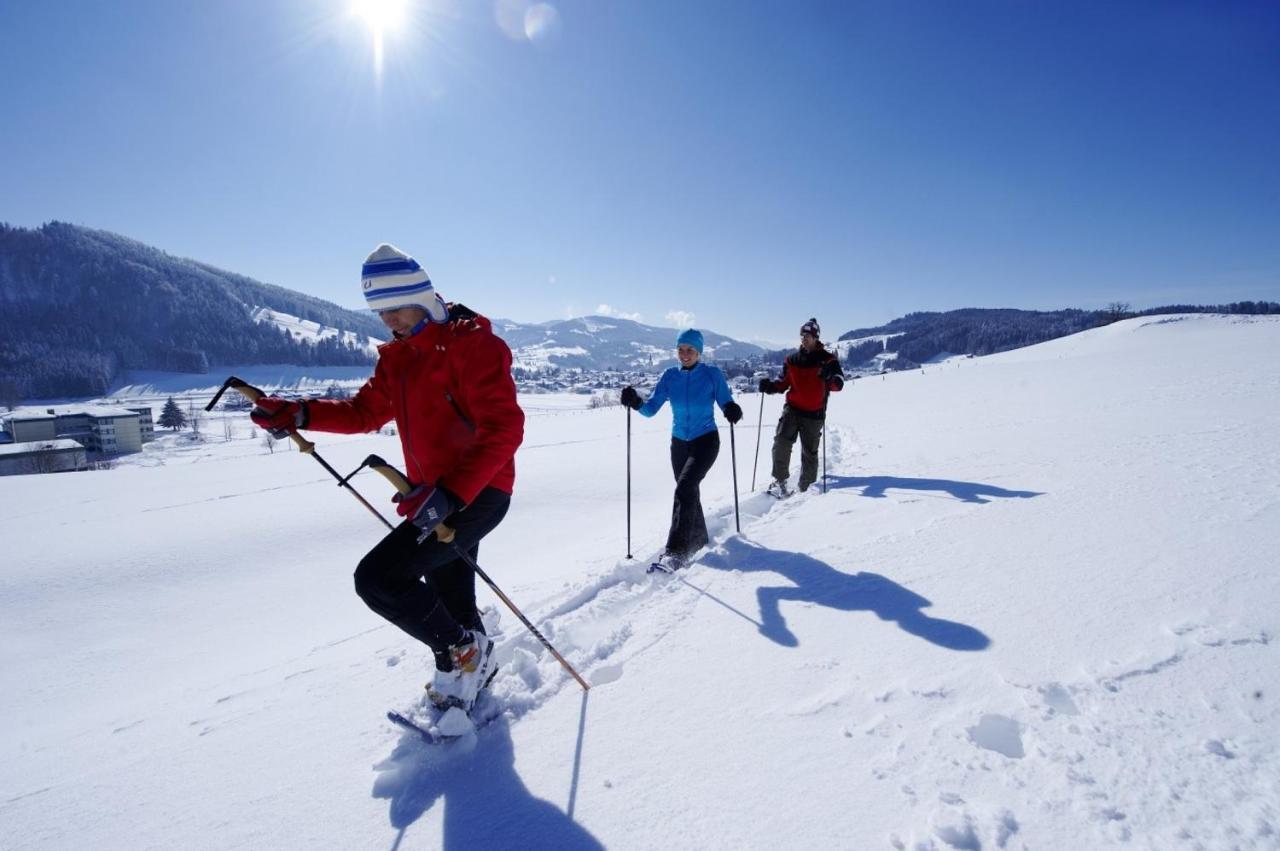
x=998, y=733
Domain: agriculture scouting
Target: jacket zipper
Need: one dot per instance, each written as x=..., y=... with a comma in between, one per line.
x=408, y=434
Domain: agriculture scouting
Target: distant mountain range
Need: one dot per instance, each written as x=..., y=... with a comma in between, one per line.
x=920, y=338
x=604, y=342
x=79, y=307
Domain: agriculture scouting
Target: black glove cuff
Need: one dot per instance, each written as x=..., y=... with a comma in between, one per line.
x=455, y=504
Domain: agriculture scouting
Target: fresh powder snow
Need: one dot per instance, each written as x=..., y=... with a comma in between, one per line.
x=1037, y=607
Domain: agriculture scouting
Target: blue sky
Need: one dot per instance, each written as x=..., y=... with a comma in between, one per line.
x=746, y=164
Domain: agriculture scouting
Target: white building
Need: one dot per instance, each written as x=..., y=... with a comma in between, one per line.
x=100, y=429
x=42, y=456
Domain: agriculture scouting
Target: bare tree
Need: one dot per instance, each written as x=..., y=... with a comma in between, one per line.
x=603, y=400
x=194, y=417
x=45, y=460
x=1117, y=310
x=269, y=442
x=9, y=397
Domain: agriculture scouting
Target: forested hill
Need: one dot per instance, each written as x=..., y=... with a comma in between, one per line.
x=79, y=306
x=917, y=338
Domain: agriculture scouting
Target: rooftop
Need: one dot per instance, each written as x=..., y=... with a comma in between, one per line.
x=61, y=444
x=49, y=411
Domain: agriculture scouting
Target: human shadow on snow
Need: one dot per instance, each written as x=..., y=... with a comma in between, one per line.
x=876, y=486
x=486, y=804
x=817, y=582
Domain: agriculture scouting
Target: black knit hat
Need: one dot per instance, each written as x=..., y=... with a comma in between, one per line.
x=811, y=327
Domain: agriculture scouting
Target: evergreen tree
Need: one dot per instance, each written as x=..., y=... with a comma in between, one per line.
x=171, y=416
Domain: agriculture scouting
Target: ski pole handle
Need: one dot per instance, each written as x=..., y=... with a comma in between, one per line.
x=402, y=485
x=253, y=394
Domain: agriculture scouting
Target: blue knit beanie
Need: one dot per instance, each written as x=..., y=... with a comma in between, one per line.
x=392, y=279
x=692, y=337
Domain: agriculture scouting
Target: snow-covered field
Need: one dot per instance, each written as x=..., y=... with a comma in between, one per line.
x=1035, y=610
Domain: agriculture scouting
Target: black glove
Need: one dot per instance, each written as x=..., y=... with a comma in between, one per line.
x=837, y=383
x=766, y=386
x=426, y=507
x=732, y=413
x=830, y=369
x=631, y=398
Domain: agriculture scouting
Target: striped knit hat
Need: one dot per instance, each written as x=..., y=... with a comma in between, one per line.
x=392, y=279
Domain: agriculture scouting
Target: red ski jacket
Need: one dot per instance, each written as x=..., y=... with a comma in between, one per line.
x=450, y=391
x=802, y=381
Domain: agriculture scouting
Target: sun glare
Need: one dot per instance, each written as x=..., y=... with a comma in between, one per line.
x=381, y=15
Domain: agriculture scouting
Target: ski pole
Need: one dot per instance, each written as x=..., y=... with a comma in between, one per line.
x=759, y=425
x=826, y=397
x=733, y=462
x=445, y=535
x=628, y=481
x=824, y=457
x=306, y=447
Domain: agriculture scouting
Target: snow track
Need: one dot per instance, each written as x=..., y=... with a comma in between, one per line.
x=613, y=617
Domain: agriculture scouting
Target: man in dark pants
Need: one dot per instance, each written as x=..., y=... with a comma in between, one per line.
x=445, y=379
x=808, y=376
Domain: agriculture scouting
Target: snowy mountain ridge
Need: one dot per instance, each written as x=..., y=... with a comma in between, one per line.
x=607, y=343
x=308, y=331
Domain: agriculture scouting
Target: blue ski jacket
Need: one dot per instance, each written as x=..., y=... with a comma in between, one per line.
x=691, y=392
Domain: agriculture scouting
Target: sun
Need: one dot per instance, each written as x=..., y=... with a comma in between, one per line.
x=381, y=15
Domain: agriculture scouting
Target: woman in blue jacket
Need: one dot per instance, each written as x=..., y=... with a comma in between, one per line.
x=691, y=388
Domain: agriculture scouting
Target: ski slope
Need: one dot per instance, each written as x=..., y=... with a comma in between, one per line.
x=1038, y=608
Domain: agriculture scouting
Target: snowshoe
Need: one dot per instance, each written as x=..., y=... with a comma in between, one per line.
x=440, y=727
x=667, y=563
x=473, y=669
x=778, y=489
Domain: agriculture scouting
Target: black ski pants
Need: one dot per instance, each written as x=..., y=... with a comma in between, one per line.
x=690, y=461
x=435, y=611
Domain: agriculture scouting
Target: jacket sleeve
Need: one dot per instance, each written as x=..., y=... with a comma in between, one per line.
x=784, y=383
x=660, y=393
x=487, y=394
x=836, y=382
x=369, y=410
x=723, y=394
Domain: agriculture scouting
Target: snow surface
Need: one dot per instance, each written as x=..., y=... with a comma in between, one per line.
x=1035, y=610
x=149, y=385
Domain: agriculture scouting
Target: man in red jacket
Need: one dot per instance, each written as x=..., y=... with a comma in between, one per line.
x=445, y=379
x=808, y=376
